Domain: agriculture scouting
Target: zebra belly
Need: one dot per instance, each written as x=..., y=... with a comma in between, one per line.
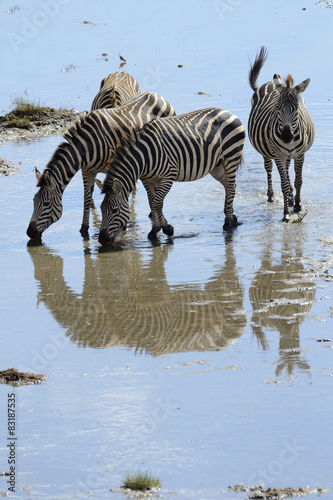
x=195, y=169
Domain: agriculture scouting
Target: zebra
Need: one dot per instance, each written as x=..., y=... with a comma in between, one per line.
x=181, y=148
x=115, y=90
x=280, y=128
x=90, y=146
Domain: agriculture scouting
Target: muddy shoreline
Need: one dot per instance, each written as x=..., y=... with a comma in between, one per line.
x=49, y=122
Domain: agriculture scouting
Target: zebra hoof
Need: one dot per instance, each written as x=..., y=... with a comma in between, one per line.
x=152, y=235
x=285, y=218
x=297, y=208
x=230, y=224
x=84, y=229
x=270, y=198
x=168, y=230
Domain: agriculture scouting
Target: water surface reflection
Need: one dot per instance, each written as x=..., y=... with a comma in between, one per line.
x=126, y=300
x=282, y=294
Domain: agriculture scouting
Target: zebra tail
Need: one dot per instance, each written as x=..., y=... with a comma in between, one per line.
x=256, y=67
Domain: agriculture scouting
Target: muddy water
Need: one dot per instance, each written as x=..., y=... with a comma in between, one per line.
x=205, y=359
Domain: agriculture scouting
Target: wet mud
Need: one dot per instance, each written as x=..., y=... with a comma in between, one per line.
x=7, y=168
x=258, y=492
x=48, y=121
x=13, y=377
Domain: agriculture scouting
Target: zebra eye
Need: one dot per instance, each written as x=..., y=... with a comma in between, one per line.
x=115, y=211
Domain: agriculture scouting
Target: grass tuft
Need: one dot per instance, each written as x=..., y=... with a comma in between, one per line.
x=24, y=107
x=141, y=481
x=24, y=111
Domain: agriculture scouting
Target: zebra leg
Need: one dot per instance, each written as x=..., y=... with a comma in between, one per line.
x=268, y=163
x=228, y=180
x=285, y=187
x=88, y=186
x=156, y=195
x=150, y=189
x=291, y=191
x=298, y=182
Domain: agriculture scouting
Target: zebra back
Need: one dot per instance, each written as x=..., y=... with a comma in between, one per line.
x=96, y=137
x=115, y=90
x=192, y=144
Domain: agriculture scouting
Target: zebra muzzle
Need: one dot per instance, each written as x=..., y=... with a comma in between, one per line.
x=286, y=134
x=104, y=238
x=33, y=232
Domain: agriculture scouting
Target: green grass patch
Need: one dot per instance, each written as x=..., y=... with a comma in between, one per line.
x=26, y=112
x=141, y=481
x=25, y=107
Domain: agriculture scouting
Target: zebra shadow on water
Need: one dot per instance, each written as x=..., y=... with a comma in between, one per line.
x=281, y=295
x=127, y=301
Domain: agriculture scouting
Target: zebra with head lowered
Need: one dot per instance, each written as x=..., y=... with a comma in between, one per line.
x=281, y=129
x=115, y=90
x=180, y=148
x=89, y=147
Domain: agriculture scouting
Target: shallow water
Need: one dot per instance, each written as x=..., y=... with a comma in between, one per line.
x=200, y=359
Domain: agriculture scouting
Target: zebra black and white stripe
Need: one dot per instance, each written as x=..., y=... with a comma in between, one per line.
x=89, y=147
x=180, y=148
x=115, y=89
x=281, y=129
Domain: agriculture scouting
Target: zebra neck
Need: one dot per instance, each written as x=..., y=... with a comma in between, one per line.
x=131, y=167
x=64, y=164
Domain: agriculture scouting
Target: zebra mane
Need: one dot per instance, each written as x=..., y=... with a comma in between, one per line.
x=74, y=131
x=52, y=169
x=122, y=149
x=289, y=81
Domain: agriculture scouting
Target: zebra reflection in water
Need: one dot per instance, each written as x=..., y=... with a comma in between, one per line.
x=127, y=302
x=281, y=295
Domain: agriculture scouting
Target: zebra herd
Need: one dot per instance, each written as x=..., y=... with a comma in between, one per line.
x=131, y=135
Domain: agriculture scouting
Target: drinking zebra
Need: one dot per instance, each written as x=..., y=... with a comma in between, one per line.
x=89, y=147
x=180, y=148
x=280, y=128
x=115, y=90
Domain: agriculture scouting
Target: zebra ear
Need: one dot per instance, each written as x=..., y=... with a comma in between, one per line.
x=302, y=86
x=100, y=184
x=278, y=82
x=116, y=186
x=39, y=176
x=48, y=179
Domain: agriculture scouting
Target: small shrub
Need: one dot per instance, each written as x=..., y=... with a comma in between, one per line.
x=141, y=481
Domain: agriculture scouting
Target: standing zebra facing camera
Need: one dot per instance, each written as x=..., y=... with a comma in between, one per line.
x=280, y=129
x=180, y=148
x=115, y=89
x=89, y=147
